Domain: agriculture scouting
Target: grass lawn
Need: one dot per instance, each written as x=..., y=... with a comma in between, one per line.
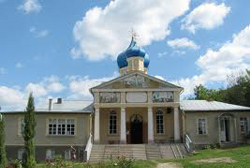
x=240, y=158
x=218, y=158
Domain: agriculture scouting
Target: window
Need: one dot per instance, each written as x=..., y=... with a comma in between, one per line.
x=202, y=126
x=159, y=122
x=20, y=153
x=21, y=125
x=61, y=127
x=50, y=154
x=244, y=125
x=67, y=154
x=112, y=123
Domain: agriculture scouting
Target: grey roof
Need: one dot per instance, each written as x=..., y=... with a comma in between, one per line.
x=204, y=105
x=67, y=106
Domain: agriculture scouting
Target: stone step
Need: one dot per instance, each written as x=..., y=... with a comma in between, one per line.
x=138, y=152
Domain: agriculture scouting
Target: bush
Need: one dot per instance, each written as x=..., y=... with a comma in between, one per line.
x=15, y=164
x=58, y=162
x=120, y=162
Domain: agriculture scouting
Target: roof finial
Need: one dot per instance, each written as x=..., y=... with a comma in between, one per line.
x=134, y=34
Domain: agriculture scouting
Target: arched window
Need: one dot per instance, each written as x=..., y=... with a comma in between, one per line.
x=112, y=123
x=159, y=122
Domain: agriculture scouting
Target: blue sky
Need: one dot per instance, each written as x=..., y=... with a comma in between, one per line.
x=62, y=48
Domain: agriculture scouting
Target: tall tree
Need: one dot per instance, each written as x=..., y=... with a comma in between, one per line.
x=201, y=93
x=29, y=134
x=3, y=159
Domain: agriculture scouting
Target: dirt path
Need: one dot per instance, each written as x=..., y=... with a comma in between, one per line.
x=168, y=165
x=216, y=160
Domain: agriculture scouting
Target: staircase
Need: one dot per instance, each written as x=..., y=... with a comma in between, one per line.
x=137, y=151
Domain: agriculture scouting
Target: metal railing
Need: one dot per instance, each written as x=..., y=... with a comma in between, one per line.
x=88, y=149
x=188, y=144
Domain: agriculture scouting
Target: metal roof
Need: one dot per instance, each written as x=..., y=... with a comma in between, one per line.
x=67, y=106
x=204, y=105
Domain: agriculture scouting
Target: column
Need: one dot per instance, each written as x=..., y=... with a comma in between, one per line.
x=176, y=125
x=150, y=125
x=97, y=126
x=123, y=126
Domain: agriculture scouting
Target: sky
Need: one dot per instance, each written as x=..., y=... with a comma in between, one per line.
x=62, y=48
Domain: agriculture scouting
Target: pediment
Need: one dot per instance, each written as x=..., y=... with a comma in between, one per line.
x=136, y=80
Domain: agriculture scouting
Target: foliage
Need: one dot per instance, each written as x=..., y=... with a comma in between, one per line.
x=121, y=162
x=15, y=164
x=58, y=163
x=29, y=134
x=3, y=160
x=237, y=92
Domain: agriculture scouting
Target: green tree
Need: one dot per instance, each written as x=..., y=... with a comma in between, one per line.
x=29, y=134
x=200, y=93
x=3, y=159
x=238, y=91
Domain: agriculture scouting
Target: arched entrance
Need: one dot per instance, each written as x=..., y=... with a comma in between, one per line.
x=136, y=129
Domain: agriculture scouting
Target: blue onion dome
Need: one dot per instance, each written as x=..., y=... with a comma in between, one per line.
x=122, y=60
x=146, y=60
x=132, y=51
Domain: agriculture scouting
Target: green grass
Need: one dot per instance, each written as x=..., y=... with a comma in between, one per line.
x=241, y=155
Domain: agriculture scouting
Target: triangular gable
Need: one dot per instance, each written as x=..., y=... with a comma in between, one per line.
x=136, y=80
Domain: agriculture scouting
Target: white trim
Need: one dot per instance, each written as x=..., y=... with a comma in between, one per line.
x=136, y=73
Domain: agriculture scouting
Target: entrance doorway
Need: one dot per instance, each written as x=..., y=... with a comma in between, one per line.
x=225, y=129
x=136, y=129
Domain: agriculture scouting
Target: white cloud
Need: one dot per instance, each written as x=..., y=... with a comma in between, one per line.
x=105, y=31
x=231, y=58
x=30, y=6
x=206, y=16
x=161, y=54
x=53, y=84
x=159, y=77
x=79, y=86
x=19, y=65
x=37, y=89
x=11, y=97
x=39, y=33
x=183, y=43
x=3, y=71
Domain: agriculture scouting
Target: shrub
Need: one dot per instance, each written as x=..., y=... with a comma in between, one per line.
x=120, y=162
x=58, y=162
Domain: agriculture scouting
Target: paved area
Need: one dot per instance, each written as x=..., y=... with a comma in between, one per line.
x=168, y=165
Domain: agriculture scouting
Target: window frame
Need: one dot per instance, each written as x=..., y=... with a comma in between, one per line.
x=67, y=154
x=21, y=125
x=206, y=125
x=60, y=126
x=52, y=152
x=163, y=122
x=246, y=125
x=112, y=112
x=19, y=153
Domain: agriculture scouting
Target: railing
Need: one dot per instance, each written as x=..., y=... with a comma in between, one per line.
x=88, y=149
x=188, y=144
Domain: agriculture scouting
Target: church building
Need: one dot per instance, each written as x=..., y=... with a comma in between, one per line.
x=135, y=112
